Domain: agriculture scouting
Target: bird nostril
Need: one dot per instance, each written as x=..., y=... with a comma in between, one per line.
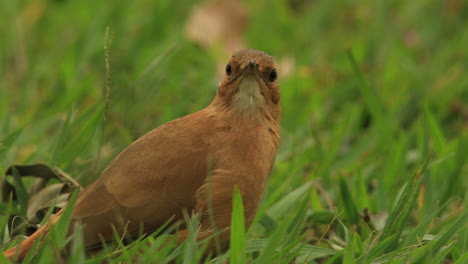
x=252, y=64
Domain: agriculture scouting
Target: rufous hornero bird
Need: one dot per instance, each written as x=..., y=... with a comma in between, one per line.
x=192, y=163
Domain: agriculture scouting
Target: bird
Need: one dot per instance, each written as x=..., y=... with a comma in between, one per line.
x=189, y=164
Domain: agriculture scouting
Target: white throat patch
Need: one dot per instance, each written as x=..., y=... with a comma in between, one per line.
x=249, y=97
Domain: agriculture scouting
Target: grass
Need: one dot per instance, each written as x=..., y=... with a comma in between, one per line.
x=372, y=166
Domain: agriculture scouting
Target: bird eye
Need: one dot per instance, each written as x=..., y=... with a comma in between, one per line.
x=228, y=70
x=273, y=75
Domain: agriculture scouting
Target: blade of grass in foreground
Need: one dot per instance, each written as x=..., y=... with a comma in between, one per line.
x=8, y=141
x=77, y=252
x=294, y=236
x=284, y=239
x=462, y=259
x=349, y=205
x=6, y=211
x=377, y=250
x=86, y=126
x=419, y=231
x=289, y=201
x=404, y=206
x=396, y=256
x=269, y=219
x=237, y=242
x=437, y=245
x=190, y=245
x=36, y=246
x=55, y=240
x=21, y=193
x=125, y=252
x=309, y=252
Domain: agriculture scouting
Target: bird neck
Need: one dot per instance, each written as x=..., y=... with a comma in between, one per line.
x=249, y=108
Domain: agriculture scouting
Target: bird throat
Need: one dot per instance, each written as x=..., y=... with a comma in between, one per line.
x=248, y=99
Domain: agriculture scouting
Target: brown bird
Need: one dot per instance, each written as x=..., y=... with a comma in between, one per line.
x=191, y=163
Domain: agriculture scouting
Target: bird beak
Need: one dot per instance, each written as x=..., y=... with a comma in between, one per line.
x=251, y=68
x=252, y=65
x=249, y=86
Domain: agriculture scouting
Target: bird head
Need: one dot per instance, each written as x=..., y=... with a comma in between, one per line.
x=250, y=83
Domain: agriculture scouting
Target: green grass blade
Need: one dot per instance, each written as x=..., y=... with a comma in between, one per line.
x=190, y=252
x=289, y=201
x=395, y=256
x=21, y=193
x=373, y=102
x=349, y=206
x=463, y=259
x=77, y=251
x=377, y=250
x=436, y=132
x=86, y=126
x=8, y=141
x=442, y=253
x=418, y=232
x=237, y=243
x=439, y=243
x=404, y=206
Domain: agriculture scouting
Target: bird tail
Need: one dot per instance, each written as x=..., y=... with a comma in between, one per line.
x=19, y=252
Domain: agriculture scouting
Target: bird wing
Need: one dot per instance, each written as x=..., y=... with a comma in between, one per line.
x=157, y=174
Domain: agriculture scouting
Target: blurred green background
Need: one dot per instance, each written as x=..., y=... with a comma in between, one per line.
x=369, y=90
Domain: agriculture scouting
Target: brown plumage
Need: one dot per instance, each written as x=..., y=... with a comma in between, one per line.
x=188, y=161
